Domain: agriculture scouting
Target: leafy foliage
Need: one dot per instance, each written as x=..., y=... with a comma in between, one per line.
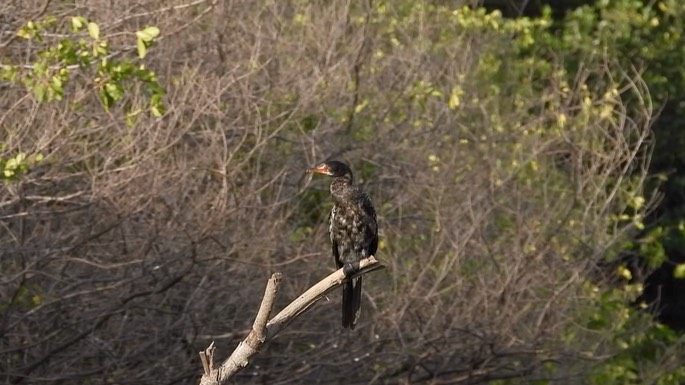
x=55, y=62
x=11, y=169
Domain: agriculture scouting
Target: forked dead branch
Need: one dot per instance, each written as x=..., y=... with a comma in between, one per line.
x=263, y=331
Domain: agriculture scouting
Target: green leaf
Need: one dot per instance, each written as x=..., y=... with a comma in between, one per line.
x=39, y=92
x=132, y=118
x=9, y=73
x=94, y=30
x=14, y=163
x=359, y=107
x=40, y=68
x=50, y=20
x=455, y=98
x=105, y=99
x=679, y=271
x=156, y=111
x=115, y=91
x=25, y=33
x=56, y=82
x=148, y=34
x=100, y=48
x=142, y=48
x=625, y=273
x=77, y=23
x=56, y=86
x=157, y=107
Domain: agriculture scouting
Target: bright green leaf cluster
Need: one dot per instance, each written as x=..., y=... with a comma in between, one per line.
x=145, y=39
x=13, y=168
x=33, y=30
x=639, y=343
x=55, y=62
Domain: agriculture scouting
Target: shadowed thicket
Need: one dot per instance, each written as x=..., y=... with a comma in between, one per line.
x=499, y=186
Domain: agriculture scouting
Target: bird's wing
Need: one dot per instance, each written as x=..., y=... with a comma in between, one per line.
x=334, y=243
x=336, y=255
x=374, y=243
x=372, y=226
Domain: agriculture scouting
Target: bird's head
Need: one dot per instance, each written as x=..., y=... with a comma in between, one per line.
x=331, y=168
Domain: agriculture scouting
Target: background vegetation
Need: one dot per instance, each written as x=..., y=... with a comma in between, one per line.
x=526, y=171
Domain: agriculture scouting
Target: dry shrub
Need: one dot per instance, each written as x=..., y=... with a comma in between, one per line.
x=129, y=249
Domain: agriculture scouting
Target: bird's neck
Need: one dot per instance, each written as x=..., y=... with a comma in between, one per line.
x=342, y=189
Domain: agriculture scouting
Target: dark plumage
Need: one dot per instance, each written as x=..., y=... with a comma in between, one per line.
x=353, y=230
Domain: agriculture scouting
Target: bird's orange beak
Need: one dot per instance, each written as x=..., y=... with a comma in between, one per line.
x=320, y=169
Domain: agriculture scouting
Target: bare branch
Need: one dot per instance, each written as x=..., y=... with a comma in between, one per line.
x=263, y=332
x=316, y=292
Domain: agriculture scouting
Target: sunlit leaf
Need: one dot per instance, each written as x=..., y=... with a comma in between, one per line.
x=625, y=273
x=679, y=271
x=94, y=30
x=142, y=49
x=148, y=34
x=115, y=91
x=77, y=23
x=455, y=98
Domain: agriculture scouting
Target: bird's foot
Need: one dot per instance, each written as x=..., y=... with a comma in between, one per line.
x=350, y=269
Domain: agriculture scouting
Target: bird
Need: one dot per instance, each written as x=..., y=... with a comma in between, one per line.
x=353, y=229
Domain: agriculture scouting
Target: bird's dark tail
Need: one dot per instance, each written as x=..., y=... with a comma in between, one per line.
x=351, y=302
